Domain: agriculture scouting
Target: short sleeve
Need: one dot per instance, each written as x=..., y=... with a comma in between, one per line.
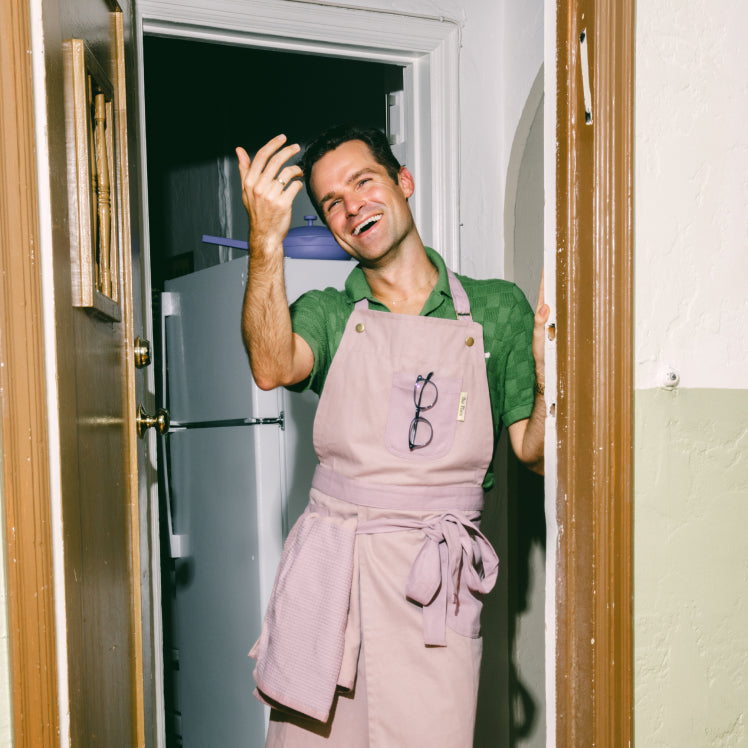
x=319, y=317
x=519, y=364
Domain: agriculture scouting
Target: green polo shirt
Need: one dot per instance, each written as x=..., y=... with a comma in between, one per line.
x=499, y=306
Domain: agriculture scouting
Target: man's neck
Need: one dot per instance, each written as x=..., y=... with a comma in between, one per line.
x=404, y=284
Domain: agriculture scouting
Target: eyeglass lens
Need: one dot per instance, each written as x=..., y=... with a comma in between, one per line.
x=425, y=395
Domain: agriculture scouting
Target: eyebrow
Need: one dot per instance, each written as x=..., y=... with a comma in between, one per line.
x=352, y=178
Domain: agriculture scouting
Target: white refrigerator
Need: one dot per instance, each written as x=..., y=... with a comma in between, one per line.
x=238, y=465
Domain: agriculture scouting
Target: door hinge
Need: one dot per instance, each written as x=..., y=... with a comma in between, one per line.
x=395, y=117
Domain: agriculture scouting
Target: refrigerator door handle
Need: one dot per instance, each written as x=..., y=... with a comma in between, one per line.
x=179, y=546
x=279, y=420
x=170, y=307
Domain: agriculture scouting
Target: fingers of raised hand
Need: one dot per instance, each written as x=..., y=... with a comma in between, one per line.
x=243, y=158
x=271, y=157
x=286, y=175
x=267, y=162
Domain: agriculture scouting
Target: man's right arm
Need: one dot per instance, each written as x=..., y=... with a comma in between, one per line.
x=276, y=354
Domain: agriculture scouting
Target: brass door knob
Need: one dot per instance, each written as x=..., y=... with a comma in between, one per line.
x=142, y=351
x=144, y=421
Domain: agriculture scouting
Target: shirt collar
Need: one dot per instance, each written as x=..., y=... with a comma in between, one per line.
x=357, y=288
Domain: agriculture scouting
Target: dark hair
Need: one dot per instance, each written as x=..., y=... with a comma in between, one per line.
x=331, y=138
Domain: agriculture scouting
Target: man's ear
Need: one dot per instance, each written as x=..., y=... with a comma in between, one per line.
x=406, y=182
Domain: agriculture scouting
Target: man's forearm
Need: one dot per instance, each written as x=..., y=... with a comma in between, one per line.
x=531, y=447
x=533, y=443
x=266, y=322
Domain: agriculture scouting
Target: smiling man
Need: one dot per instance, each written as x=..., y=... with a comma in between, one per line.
x=372, y=635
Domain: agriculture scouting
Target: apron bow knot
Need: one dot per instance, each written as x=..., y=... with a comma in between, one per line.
x=455, y=557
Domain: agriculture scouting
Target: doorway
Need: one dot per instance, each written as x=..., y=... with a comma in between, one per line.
x=225, y=96
x=425, y=49
x=193, y=123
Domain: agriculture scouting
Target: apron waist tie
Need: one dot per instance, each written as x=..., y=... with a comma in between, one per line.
x=455, y=550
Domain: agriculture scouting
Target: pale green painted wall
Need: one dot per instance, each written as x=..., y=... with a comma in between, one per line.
x=691, y=568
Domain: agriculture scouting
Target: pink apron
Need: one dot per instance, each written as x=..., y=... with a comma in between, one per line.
x=372, y=635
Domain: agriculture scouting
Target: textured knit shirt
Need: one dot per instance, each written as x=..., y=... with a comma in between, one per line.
x=499, y=306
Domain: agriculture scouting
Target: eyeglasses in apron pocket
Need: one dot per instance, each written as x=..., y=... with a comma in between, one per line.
x=442, y=417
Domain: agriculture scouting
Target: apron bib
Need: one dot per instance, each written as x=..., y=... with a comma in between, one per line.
x=385, y=571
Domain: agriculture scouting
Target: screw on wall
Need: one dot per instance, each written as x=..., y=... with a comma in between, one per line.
x=670, y=379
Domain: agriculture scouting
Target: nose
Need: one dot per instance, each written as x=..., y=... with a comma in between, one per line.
x=353, y=204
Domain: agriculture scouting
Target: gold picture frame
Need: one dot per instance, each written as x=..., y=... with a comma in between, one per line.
x=94, y=182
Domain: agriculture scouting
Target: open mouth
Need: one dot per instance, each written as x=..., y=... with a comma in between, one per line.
x=366, y=225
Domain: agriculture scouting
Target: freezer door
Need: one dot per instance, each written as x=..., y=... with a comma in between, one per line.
x=209, y=378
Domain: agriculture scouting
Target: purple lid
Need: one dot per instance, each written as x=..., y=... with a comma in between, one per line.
x=313, y=243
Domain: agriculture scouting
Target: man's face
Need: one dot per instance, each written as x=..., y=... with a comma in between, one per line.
x=366, y=211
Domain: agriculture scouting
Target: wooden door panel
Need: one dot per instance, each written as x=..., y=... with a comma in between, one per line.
x=96, y=406
x=104, y=575
x=90, y=384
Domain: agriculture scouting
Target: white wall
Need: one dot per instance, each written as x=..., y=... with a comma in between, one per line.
x=691, y=192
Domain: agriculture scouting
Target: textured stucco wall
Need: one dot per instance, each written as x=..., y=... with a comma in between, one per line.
x=691, y=192
x=691, y=443
x=691, y=593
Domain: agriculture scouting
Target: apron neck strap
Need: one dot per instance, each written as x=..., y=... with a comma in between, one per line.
x=459, y=297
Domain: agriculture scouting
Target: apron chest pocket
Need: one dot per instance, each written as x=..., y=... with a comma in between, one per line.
x=434, y=432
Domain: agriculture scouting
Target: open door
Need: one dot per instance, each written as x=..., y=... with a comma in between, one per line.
x=96, y=376
x=72, y=511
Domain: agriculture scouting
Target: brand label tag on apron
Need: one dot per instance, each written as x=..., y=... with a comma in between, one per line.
x=462, y=406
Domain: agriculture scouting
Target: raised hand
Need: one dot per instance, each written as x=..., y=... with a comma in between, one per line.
x=268, y=191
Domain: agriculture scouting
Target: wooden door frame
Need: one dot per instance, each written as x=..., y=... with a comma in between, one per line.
x=594, y=307
x=23, y=403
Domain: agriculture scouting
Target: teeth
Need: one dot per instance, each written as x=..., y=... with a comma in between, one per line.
x=363, y=226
